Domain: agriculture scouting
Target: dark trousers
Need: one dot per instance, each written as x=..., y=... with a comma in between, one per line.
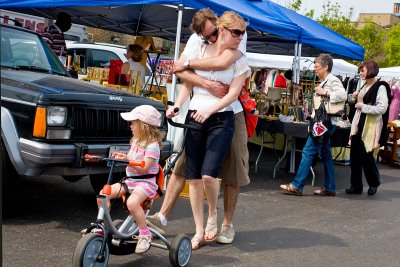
x=360, y=160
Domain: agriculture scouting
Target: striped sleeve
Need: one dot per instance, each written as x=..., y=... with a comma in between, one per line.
x=153, y=151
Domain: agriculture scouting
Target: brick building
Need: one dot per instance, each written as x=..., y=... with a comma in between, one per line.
x=385, y=20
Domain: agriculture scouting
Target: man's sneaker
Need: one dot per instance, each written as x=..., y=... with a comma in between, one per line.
x=155, y=222
x=143, y=244
x=226, y=235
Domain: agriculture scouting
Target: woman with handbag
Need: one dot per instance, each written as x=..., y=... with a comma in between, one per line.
x=368, y=128
x=332, y=90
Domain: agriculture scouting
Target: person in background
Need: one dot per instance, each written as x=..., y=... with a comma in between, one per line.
x=147, y=44
x=140, y=182
x=134, y=55
x=235, y=169
x=368, y=128
x=54, y=36
x=332, y=88
x=206, y=148
x=394, y=108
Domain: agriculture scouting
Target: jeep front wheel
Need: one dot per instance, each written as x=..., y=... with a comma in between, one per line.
x=72, y=178
x=8, y=174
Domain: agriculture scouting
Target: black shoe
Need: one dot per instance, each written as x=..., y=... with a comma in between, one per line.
x=372, y=190
x=353, y=191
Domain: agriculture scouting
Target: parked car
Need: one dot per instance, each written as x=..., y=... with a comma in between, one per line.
x=49, y=120
x=95, y=54
x=99, y=55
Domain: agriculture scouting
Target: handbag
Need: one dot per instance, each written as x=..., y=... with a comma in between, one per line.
x=250, y=111
x=320, y=124
x=335, y=109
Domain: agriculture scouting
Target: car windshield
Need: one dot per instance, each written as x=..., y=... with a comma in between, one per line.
x=22, y=50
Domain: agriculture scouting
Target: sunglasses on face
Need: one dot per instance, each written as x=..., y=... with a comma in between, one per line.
x=213, y=33
x=235, y=32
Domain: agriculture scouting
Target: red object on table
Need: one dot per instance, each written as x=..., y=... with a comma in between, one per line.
x=115, y=70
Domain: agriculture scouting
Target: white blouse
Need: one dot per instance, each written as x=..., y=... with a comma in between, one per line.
x=203, y=99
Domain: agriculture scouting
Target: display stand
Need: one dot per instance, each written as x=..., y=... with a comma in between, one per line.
x=147, y=89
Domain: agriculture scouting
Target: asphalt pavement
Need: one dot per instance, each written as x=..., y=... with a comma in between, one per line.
x=272, y=229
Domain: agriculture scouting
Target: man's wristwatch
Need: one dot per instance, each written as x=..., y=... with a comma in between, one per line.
x=186, y=64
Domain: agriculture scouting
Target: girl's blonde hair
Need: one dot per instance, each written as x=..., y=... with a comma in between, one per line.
x=230, y=18
x=147, y=134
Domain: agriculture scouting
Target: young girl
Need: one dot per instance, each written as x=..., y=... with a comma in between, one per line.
x=145, y=146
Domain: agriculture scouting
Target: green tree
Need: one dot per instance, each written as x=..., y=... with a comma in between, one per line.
x=372, y=37
x=333, y=18
x=392, y=47
x=295, y=5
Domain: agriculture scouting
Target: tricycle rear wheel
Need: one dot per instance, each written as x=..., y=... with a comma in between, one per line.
x=180, y=251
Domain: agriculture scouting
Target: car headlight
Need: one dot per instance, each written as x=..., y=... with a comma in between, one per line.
x=56, y=116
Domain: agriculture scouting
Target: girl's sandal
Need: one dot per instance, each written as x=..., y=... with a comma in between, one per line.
x=211, y=231
x=197, y=241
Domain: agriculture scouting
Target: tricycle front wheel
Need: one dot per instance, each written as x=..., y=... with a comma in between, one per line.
x=87, y=252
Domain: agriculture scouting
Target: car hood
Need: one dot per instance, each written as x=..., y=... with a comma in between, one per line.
x=50, y=87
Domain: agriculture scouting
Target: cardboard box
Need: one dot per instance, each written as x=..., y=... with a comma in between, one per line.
x=185, y=190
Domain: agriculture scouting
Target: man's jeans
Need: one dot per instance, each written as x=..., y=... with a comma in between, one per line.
x=310, y=150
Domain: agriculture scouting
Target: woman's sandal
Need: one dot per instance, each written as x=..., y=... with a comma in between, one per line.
x=197, y=241
x=211, y=229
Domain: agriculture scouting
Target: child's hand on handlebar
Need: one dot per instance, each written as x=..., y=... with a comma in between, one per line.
x=119, y=155
x=172, y=111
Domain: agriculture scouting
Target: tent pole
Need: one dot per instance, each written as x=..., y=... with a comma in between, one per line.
x=298, y=62
x=177, y=42
x=294, y=65
x=171, y=93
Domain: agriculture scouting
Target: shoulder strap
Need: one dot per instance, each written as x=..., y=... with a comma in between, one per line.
x=144, y=176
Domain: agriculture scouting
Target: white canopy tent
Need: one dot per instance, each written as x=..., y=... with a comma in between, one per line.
x=340, y=66
x=390, y=72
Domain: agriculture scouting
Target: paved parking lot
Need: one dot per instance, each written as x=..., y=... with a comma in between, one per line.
x=272, y=229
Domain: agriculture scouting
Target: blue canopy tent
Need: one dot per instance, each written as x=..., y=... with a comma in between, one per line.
x=159, y=18
x=315, y=38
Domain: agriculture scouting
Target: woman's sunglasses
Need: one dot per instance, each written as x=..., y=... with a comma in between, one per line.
x=213, y=33
x=235, y=32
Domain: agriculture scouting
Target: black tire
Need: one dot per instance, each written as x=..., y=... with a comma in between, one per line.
x=180, y=251
x=8, y=177
x=87, y=250
x=124, y=248
x=97, y=181
x=72, y=178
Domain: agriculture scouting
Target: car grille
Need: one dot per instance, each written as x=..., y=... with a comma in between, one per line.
x=99, y=123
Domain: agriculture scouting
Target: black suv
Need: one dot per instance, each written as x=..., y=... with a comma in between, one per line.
x=49, y=120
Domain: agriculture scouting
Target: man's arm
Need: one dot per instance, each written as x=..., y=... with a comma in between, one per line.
x=221, y=62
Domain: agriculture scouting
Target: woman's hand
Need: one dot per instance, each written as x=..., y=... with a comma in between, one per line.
x=320, y=91
x=201, y=116
x=178, y=68
x=171, y=113
x=359, y=105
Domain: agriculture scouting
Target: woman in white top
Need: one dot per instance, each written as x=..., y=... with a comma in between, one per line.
x=206, y=149
x=134, y=56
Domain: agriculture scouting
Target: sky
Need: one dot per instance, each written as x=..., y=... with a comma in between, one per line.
x=360, y=6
